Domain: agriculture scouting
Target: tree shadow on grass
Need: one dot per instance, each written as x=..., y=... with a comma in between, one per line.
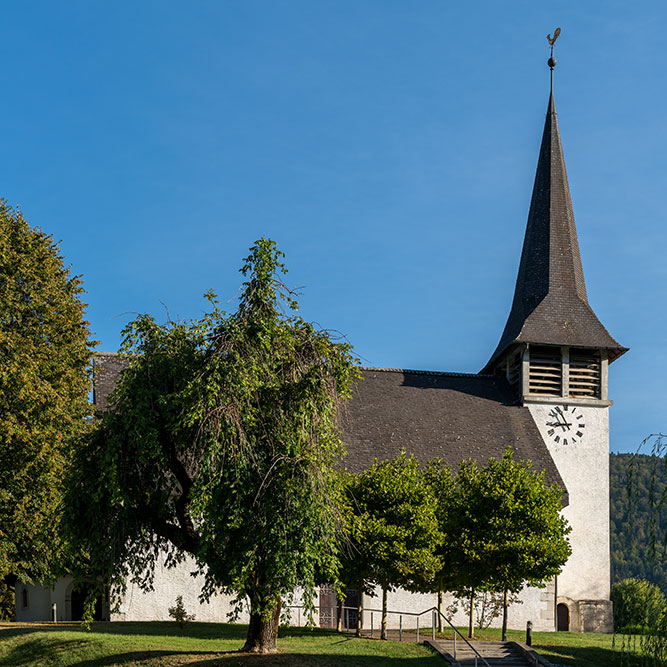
x=587, y=656
x=37, y=651
x=45, y=649
x=235, y=658
x=229, y=631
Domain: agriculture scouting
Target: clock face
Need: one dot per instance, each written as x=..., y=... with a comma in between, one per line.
x=565, y=425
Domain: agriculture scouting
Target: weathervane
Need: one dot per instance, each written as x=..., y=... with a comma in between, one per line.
x=552, y=61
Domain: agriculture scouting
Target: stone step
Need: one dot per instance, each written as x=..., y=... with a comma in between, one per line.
x=497, y=654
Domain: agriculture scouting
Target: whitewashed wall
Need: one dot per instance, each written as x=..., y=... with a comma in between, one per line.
x=169, y=583
x=584, y=468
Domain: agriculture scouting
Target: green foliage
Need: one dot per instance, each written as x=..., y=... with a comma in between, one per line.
x=7, y=602
x=44, y=384
x=393, y=529
x=637, y=603
x=179, y=614
x=219, y=442
x=393, y=526
x=637, y=527
x=504, y=527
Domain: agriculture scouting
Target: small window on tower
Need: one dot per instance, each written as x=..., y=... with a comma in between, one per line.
x=585, y=374
x=546, y=374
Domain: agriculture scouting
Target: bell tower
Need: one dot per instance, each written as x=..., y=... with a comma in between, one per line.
x=555, y=353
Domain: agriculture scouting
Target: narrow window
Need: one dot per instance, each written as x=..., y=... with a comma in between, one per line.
x=24, y=598
x=546, y=375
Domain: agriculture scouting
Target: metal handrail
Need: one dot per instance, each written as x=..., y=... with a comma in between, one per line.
x=433, y=610
x=477, y=653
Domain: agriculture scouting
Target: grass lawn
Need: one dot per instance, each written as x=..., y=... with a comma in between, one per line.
x=198, y=644
x=566, y=648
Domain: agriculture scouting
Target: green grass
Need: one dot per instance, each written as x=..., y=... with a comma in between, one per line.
x=201, y=644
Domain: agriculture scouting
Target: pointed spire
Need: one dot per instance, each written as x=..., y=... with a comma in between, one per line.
x=550, y=302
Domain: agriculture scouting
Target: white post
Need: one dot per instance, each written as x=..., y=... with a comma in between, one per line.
x=54, y=613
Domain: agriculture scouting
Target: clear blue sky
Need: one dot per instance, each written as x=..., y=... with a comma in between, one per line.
x=388, y=147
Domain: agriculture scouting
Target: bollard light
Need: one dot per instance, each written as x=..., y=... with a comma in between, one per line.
x=529, y=633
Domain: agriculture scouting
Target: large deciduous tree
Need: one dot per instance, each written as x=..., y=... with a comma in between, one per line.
x=219, y=443
x=45, y=355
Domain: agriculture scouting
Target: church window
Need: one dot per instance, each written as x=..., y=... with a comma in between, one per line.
x=545, y=371
x=24, y=598
x=585, y=373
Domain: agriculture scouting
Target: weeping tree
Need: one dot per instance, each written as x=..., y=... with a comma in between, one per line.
x=393, y=529
x=219, y=443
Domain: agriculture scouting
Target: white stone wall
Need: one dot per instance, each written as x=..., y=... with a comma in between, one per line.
x=39, y=601
x=536, y=605
x=136, y=605
x=169, y=583
x=584, y=468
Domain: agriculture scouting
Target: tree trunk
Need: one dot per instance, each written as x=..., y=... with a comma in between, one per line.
x=360, y=607
x=262, y=632
x=383, y=633
x=504, y=637
x=440, y=607
x=471, y=617
x=341, y=603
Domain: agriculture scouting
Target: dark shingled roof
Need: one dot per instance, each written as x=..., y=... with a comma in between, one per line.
x=106, y=368
x=448, y=415
x=550, y=303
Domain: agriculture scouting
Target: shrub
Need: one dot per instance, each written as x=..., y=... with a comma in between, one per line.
x=637, y=603
x=179, y=614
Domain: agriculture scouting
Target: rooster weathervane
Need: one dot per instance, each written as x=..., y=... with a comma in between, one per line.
x=552, y=61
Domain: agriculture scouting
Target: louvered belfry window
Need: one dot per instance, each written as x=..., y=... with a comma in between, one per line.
x=585, y=373
x=545, y=371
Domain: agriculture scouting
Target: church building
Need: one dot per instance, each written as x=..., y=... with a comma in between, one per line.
x=544, y=391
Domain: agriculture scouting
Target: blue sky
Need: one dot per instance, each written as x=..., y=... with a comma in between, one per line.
x=388, y=147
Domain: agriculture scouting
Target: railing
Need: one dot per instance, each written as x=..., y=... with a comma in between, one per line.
x=351, y=612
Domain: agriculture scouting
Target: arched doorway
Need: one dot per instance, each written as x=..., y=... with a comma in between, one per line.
x=75, y=599
x=563, y=617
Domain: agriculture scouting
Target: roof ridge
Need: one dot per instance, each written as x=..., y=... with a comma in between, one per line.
x=422, y=372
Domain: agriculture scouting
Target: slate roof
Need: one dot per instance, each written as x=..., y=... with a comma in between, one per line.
x=107, y=367
x=449, y=415
x=550, y=303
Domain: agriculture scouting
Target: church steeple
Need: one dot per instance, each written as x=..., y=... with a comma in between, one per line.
x=550, y=306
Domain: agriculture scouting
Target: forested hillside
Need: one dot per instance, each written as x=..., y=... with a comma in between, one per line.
x=631, y=522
